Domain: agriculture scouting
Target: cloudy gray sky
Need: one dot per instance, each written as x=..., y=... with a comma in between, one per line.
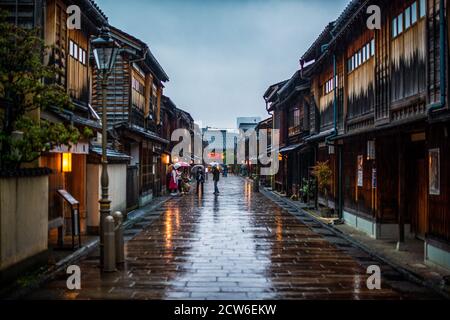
x=222, y=55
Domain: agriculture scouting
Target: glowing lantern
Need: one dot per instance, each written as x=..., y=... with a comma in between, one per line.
x=166, y=159
x=66, y=162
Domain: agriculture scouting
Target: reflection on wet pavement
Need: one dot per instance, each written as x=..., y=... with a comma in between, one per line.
x=239, y=245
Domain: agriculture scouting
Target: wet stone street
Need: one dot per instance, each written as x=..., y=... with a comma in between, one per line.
x=239, y=245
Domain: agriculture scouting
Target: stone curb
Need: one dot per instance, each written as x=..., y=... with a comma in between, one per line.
x=410, y=275
x=81, y=253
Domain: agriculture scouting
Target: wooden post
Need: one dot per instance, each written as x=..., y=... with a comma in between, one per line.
x=401, y=193
x=159, y=92
x=148, y=93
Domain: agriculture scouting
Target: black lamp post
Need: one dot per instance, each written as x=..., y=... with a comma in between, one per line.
x=105, y=51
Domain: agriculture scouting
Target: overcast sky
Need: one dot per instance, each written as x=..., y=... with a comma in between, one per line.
x=222, y=55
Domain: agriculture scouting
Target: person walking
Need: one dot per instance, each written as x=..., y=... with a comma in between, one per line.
x=200, y=178
x=173, y=183
x=216, y=178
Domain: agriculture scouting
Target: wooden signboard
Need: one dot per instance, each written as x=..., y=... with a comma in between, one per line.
x=68, y=197
x=360, y=171
x=74, y=204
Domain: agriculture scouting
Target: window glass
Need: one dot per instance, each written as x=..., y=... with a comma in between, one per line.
x=407, y=18
x=400, y=23
x=75, y=51
x=414, y=13
x=80, y=55
x=364, y=55
x=423, y=8
x=372, y=45
x=394, y=28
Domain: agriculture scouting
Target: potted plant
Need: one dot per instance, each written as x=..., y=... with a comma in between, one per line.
x=322, y=172
x=307, y=190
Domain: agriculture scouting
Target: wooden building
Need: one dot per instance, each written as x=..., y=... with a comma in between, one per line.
x=266, y=124
x=70, y=53
x=381, y=119
x=291, y=107
x=133, y=105
x=279, y=122
x=172, y=118
x=168, y=125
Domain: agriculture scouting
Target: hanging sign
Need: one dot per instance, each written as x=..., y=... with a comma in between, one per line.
x=374, y=178
x=78, y=148
x=360, y=171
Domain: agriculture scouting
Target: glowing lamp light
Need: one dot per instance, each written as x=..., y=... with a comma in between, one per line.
x=66, y=162
x=280, y=157
x=166, y=159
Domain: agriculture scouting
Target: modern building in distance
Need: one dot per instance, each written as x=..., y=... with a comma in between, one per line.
x=247, y=123
x=220, y=142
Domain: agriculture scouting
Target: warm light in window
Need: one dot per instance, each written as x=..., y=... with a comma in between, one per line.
x=66, y=162
x=166, y=159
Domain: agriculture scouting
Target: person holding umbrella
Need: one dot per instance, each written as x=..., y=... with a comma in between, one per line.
x=179, y=167
x=199, y=175
x=173, y=183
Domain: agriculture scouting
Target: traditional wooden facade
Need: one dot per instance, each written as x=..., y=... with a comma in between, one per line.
x=291, y=107
x=172, y=118
x=70, y=54
x=278, y=121
x=266, y=124
x=168, y=125
x=133, y=102
x=381, y=120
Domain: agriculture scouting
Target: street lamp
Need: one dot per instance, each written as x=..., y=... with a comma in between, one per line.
x=105, y=51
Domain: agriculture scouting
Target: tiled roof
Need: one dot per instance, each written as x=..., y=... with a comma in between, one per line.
x=148, y=134
x=110, y=153
x=316, y=47
x=149, y=57
x=76, y=119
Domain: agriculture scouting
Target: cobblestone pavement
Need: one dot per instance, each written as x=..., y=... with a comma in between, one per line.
x=239, y=245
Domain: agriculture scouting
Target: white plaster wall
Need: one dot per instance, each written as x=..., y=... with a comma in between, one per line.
x=23, y=218
x=117, y=190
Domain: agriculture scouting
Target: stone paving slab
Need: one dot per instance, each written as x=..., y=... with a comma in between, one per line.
x=237, y=246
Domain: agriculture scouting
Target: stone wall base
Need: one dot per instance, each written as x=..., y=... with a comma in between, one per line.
x=379, y=231
x=437, y=254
